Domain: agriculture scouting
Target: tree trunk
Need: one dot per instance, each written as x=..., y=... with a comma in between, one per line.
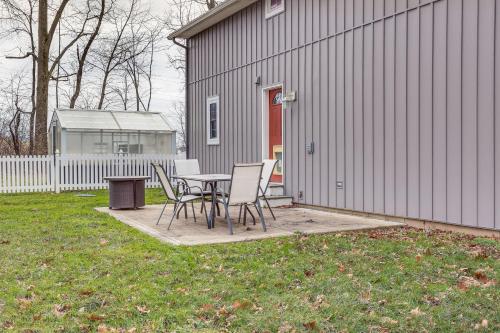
x=42, y=88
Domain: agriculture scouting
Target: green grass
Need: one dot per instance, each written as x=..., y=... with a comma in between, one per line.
x=65, y=267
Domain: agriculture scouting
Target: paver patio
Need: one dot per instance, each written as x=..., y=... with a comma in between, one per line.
x=288, y=222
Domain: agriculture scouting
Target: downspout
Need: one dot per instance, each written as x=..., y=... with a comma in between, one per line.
x=186, y=98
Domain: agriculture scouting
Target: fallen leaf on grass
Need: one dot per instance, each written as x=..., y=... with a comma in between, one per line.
x=320, y=302
x=432, y=300
x=465, y=282
x=482, y=324
x=286, y=328
x=86, y=292
x=416, y=312
x=60, y=310
x=480, y=280
x=103, y=242
x=207, y=307
x=24, y=302
x=481, y=276
x=418, y=257
x=311, y=326
x=142, y=309
x=241, y=305
x=341, y=268
x=309, y=273
x=95, y=317
x=365, y=296
x=390, y=321
x=4, y=242
x=223, y=312
x=8, y=325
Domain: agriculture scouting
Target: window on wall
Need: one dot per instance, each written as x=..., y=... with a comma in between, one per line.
x=274, y=7
x=213, y=121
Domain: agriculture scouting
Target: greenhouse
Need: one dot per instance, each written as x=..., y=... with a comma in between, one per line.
x=110, y=132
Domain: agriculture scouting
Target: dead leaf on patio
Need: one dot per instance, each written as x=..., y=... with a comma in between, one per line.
x=311, y=326
x=103, y=242
x=142, y=309
x=60, y=310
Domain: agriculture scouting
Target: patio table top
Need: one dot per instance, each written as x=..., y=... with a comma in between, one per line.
x=206, y=177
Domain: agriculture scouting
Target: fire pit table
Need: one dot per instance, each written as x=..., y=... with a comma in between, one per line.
x=126, y=192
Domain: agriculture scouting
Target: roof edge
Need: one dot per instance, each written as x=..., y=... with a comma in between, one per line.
x=210, y=18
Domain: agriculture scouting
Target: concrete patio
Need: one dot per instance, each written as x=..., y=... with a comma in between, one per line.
x=288, y=222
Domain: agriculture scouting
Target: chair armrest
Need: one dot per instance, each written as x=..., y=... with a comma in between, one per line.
x=187, y=190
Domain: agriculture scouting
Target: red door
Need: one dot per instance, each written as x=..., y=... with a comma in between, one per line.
x=276, y=133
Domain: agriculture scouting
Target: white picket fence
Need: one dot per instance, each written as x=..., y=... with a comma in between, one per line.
x=76, y=172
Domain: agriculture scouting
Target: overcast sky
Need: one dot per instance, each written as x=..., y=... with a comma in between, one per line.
x=167, y=83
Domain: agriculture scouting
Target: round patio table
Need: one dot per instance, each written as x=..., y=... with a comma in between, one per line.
x=211, y=180
x=126, y=192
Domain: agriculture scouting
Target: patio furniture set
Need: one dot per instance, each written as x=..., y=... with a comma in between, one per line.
x=248, y=184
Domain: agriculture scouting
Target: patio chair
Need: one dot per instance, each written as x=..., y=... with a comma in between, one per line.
x=243, y=191
x=192, y=167
x=180, y=199
x=267, y=172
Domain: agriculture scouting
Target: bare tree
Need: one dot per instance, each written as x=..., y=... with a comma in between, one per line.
x=112, y=51
x=14, y=97
x=82, y=58
x=21, y=21
x=178, y=120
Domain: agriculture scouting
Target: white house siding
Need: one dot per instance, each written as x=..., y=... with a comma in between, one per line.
x=401, y=97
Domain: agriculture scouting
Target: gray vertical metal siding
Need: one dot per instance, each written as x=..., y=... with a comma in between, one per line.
x=401, y=97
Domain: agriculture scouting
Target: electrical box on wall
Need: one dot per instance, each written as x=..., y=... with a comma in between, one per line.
x=310, y=148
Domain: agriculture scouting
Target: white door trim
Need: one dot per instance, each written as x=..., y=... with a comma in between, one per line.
x=265, y=123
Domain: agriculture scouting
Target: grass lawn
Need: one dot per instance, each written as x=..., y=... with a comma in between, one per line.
x=64, y=267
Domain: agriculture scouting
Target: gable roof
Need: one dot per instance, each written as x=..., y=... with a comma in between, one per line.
x=112, y=120
x=210, y=18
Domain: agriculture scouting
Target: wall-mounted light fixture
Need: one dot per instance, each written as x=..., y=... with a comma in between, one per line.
x=289, y=97
x=257, y=80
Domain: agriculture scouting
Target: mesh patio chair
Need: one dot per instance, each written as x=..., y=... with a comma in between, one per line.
x=243, y=191
x=192, y=167
x=267, y=172
x=179, y=199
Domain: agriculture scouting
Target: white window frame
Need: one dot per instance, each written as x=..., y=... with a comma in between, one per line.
x=216, y=140
x=270, y=12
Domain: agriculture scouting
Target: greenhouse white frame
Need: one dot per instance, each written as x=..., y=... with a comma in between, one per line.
x=110, y=132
